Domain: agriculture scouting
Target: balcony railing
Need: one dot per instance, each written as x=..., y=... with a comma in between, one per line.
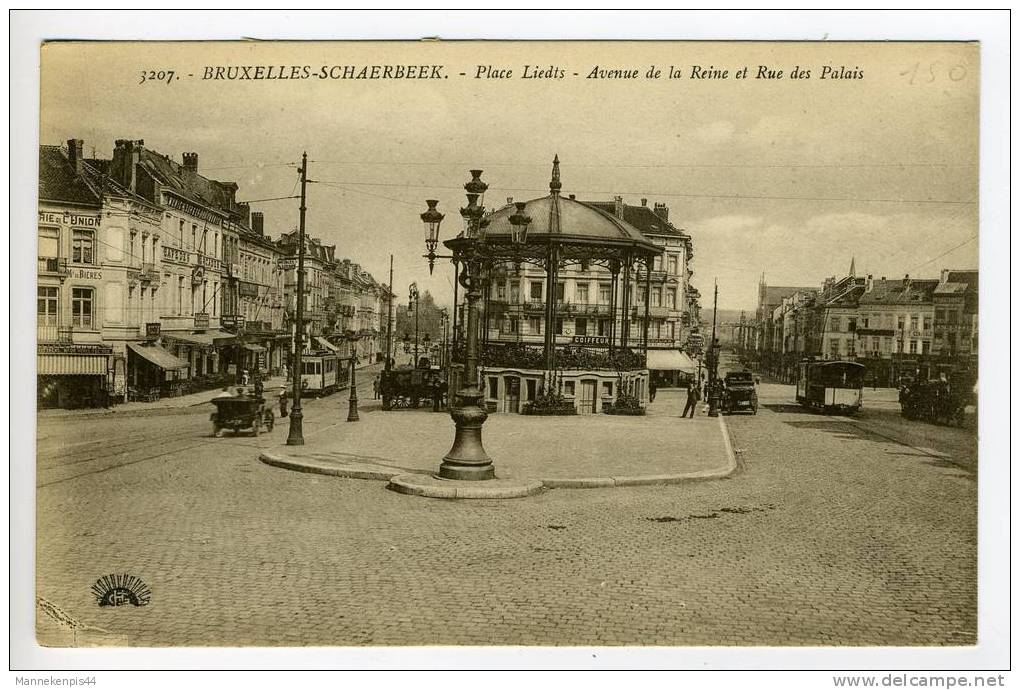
x=51, y=264
x=53, y=333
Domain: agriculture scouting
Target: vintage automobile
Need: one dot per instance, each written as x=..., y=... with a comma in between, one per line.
x=938, y=401
x=241, y=412
x=739, y=393
x=410, y=387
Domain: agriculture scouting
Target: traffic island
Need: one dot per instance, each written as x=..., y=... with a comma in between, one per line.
x=576, y=452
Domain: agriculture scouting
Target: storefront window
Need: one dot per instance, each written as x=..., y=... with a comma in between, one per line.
x=82, y=247
x=82, y=307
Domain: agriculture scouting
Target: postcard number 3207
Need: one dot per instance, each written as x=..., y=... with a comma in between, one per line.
x=163, y=75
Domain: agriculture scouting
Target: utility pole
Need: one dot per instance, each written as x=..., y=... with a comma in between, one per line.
x=389, y=319
x=713, y=374
x=296, y=435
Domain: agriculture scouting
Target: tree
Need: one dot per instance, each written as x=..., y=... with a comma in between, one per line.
x=429, y=319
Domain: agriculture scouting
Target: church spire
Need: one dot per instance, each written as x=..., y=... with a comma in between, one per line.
x=554, y=184
x=853, y=274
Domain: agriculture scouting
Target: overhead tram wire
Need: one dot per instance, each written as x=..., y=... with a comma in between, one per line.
x=343, y=183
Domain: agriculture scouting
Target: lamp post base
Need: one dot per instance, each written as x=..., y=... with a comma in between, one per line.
x=467, y=459
x=296, y=436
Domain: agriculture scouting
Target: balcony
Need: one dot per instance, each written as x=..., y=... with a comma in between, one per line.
x=53, y=266
x=53, y=333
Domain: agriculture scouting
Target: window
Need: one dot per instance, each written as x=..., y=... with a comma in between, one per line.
x=82, y=245
x=913, y=323
x=515, y=292
x=493, y=387
x=603, y=327
x=605, y=292
x=656, y=297
x=48, y=315
x=899, y=322
x=49, y=243
x=82, y=307
x=887, y=343
x=581, y=292
x=913, y=347
x=851, y=325
x=180, y=295
x=874, y=344
x=640, y=297
x=529, y=387
x=927, y=323
x=194, y=237
x=607, y=388
x=834, y=347
x=559, y=327
x=672, y=265
x=535, y=290
x=851, y=347
x=581, y=327
x=501, y=292
x=671, y=298
x=940, y=316
x=953, y=316
x=657, y=263
x=560, y=292
x=180, y=234
x=925, y=347
x=834, y=324
x=513, y=324
x=568, y=387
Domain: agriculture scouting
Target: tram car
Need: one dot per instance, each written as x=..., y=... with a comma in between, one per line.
x=323, y=373
x=833, y=386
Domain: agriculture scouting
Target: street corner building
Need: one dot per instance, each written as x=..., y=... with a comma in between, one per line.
x=154, y=281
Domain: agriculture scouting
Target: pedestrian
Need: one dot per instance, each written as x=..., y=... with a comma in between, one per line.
x=284, y=398
x=258, y=384
x=651, y=390
x=244, y=377
x=375, y=388
x=693, y=396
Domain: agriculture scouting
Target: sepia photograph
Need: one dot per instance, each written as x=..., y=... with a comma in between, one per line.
x=505, y=343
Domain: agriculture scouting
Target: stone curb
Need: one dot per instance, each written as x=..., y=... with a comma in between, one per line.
x=429, y=486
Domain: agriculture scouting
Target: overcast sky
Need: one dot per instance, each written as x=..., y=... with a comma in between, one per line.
x=793, y=177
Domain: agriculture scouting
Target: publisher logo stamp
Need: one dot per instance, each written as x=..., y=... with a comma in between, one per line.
x=119, y=590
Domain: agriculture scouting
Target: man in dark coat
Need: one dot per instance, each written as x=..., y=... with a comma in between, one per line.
x=693, y=396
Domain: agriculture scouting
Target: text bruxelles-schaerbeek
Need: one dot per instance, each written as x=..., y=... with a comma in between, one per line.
x=264, y=72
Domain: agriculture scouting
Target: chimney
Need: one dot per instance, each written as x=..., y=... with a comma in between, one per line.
x=618, y=207
x=191, y=162
x=869, y=284
x=644, y=202
x=127, y=154
x=662, y=211
x=75, y=154
x=258, y=223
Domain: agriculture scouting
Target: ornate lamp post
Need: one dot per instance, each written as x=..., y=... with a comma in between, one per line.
x=413, y=303
x=467, y=459
x=426, y=345
x=352, y=405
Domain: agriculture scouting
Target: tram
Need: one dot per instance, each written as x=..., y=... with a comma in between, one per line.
x=833, y=386
x=323, y=373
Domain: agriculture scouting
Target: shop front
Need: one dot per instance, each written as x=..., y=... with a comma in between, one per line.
x=211, y=356
x=671, y=368
x=73, y=376
x=154, y=372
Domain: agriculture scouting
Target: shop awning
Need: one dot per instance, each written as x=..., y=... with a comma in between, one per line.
x=671, y=360
x=205, y=339
x=252, y=347
x=158, y=356
x=71, y=365
x=326, y=344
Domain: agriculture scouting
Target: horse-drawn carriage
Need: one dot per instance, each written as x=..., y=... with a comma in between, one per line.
x=404, y=387
x=939, y=401
x=241, y=412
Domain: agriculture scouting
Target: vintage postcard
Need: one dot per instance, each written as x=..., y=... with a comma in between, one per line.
x=647, y=344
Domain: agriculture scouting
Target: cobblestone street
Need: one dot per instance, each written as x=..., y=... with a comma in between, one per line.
x=829, y=533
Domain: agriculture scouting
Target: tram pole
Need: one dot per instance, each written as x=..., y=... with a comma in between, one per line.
x=296, y=435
